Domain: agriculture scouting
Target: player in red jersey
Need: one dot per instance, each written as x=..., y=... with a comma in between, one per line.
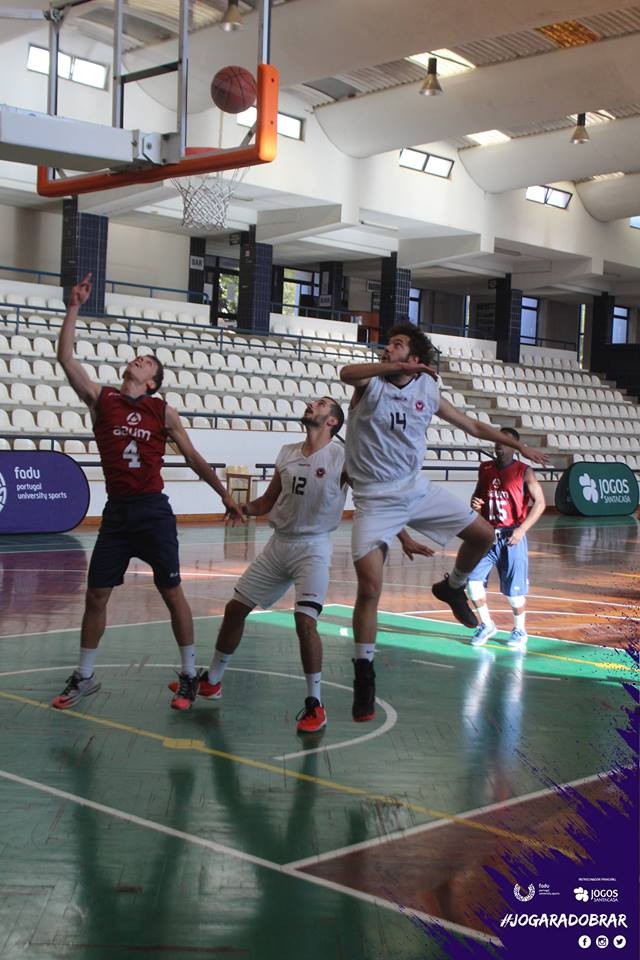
x=132, y=427
x=505, y=489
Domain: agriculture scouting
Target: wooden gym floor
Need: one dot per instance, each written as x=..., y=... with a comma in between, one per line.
x=129, y=829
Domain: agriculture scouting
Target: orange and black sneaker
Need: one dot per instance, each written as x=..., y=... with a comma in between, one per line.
x=364, y=691
x=186, y=688
x=207, y=690
x=312, y=717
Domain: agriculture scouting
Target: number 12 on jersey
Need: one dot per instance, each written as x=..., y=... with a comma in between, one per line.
x=298, y=484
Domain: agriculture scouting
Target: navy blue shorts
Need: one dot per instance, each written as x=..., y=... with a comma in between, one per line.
x=143, y=527
x=512, y=564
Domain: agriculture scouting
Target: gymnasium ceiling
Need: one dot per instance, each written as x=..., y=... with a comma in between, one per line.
x=521, y=67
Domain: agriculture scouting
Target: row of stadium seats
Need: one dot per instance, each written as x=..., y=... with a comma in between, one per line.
x=530, y=388
x=510, y=372
x=589, y=408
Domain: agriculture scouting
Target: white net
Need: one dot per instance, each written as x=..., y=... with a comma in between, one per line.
x=206, y=200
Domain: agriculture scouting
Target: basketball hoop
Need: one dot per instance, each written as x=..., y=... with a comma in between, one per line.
x=206, y=200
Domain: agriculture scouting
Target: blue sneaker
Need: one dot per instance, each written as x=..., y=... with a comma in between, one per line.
x=517, y=639
x=483, y=633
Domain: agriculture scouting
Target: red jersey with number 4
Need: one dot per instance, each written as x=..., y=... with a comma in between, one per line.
x=505, y=494
x=131, y=437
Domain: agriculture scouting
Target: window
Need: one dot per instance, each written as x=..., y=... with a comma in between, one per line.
x=288, y=126
x=529, y=320
x=634, y=222
x=414, y=305
x=297, y=284
x=425, y=162
x=619, y=324
x=69, y=68
x=550, y=196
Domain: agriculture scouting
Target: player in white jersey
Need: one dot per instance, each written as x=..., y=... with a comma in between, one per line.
x=305, y=500
x=392, y=405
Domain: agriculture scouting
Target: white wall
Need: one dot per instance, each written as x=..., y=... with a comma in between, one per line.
x=147, y=256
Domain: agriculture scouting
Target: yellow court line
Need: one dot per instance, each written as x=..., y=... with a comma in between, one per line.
x=591, y=663
x=200, y=747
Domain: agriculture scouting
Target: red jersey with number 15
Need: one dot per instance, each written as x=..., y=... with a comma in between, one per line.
x=505, y=494
x=131, y=437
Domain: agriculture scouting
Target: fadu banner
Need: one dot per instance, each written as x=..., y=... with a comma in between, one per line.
x=41, y=492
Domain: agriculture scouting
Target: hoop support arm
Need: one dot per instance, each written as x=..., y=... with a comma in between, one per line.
x=196, y=162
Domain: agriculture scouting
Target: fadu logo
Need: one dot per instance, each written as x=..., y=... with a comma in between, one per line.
x=3, y=492
x=589, y=489
x=523, y=894
x=581, y=894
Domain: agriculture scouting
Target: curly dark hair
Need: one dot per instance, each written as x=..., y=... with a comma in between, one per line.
x=338, y=413
x=420, y=345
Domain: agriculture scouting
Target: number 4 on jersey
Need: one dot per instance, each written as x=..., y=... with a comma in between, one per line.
x=132, y=454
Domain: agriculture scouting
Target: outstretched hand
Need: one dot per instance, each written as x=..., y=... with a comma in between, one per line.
x=535, y=455
x=81, y=292
x=236, y=512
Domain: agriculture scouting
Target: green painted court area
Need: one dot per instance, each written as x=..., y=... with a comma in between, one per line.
x=130, y=829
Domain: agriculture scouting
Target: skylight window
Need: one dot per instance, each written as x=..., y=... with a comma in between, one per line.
x=288, y=126
x=486, y=137
x=549, y=196
x=425, y=162
x=69, y=68
x=449, y=63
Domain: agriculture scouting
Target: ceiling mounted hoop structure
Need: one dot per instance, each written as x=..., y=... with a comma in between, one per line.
x=193, y=161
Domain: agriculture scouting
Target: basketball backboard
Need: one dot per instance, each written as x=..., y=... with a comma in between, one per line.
x=112, y=156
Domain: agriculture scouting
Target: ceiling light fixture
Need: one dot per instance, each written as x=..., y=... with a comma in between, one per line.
x=233, y=19
x=431, y=86
x=580, y=134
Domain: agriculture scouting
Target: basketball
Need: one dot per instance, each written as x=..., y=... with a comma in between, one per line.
x=233, y=89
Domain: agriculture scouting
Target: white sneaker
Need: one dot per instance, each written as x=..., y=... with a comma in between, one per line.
x=76, y=687
x=517, y=639
x=483, y=633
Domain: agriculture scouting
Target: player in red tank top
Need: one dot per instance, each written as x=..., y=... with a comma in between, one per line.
x=504, y=491
x=132, y=428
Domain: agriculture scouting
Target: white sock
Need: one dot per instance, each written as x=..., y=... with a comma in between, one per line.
x=313, y=685
x=457, y=578
x=188, y=658
x=485, y=616
x=87, y=661
x=365, y=651
x=518, y=619
x=218, y=665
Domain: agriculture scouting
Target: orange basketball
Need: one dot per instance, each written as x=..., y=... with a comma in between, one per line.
x=233, y=89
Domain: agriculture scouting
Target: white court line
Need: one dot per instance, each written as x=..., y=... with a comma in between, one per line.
x=389, y=723
x=538, y=636
x=437, y=824
x=551, y=613
x=431, y=663
x=184, y=574
x=284, y=869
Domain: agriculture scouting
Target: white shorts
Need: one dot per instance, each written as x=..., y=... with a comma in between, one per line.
x=283, y=563
x=383, y=510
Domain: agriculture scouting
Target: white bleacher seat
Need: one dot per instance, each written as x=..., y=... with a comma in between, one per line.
x=231, y=404
x=45, y=395
x=252, y=364
x=222, y=382
x=106, y=351
x=204, y=380
x=125, y=352
x=5, y=422
x=266, y=406
x=182, y=358
x=239, y=424
x=187, y=378
x=174, y=400
x=274, y=386
x=21, y=346
x=257, y=385
x=249, y=405
x=267, y=365
x=193, y=402
x=240, y=383
x=258, y=425
x=72, y=422
x=43, y=347
x=234, y=362
x=85, y=350
x=165, y=356
x=46, y=370
x=133, y=312
x=54, y=303
x=207, y=337
x=216, y=361
x=213, y=403
x=199, y=359
x=22, y=419
x=24, y=443
x=283, y=407
x=20, y=369
x=168, y=316
x=107, y=374
x=21, y=393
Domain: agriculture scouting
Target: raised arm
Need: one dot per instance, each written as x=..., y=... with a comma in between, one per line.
x=198, y=464
x=84, y=386
x=359, y=374
x=484, y=431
